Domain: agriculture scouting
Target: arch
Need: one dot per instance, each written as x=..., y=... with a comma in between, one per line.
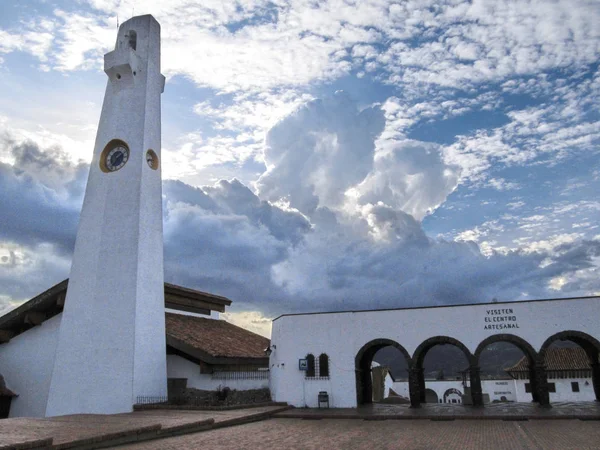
x=310, y=366
x=362, y=366
x=451, y=391
x=584, y=340
x=428, y=344
x=431, y=396
x=590, y=345
x=418, y=383
x=518, y=342
x=521, y=344
x=323, y=365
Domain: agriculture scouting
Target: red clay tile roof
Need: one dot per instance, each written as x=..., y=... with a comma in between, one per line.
x=217, y=338
x=558, y=359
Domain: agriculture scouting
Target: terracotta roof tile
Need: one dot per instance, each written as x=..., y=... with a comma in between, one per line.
x=558, y=359
x=218, y=338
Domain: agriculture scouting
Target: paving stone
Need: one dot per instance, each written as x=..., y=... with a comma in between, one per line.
x=390, y=434
x=90, y=429
x=532, y=411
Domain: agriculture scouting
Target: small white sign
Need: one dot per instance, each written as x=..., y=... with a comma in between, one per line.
x=302, y=364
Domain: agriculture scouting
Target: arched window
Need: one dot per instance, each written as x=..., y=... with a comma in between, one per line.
x=323, y=365
x=310, y=365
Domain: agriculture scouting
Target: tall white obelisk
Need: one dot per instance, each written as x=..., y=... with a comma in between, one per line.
x=111, y=343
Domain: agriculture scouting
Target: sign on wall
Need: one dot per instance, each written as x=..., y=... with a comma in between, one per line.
x=500, y=319
x=303, y=364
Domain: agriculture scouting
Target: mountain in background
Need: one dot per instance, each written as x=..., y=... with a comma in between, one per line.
x=451, y=361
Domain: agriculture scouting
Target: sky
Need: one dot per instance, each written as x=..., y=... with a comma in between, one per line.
x=322, y=155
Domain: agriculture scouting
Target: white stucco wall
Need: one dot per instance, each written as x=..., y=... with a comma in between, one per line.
x=438, y=386
x=564, y=392
x=178, y=367
x=522, y=396
x=388, y=381
x=401, y=388
x=26, y=363
x=341, y=336
x=496, y=389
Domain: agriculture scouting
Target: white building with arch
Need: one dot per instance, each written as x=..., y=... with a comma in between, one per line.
x=350, y=339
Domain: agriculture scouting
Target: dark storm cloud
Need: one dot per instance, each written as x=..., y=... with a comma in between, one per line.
x=225, y=239
x=41, y=197
x=39, y=211
x=334, y=253
x=358, y=274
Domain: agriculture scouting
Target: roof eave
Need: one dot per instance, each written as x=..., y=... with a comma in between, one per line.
x=51, y=302
x=214, y=359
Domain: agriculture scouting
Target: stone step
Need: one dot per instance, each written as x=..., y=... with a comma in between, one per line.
x=84, y=432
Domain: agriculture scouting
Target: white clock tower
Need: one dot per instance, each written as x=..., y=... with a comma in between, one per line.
x=111, y=343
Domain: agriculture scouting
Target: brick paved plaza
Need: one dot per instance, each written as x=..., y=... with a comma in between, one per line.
x=566, y=426
x=92, y=430
x=391, y=434
x=570, y=410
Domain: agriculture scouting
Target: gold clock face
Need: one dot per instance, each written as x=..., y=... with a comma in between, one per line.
x=152, y=159
x=116, y=158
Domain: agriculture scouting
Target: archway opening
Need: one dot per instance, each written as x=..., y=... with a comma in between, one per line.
x=439, y=363
x=443, y=366
x=431, y=396
x=452, y=395
x=507, y=372
x=379, y=364
x=571, y=361
x=389, y=375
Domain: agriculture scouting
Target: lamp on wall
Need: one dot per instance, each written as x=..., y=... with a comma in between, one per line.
x=270, y=349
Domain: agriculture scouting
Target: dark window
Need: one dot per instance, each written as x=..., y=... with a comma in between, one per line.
x=551, y=387
x=323, y=365
x=310, y=365
x=575, y=386
x=132, y=39
x=528, y=387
